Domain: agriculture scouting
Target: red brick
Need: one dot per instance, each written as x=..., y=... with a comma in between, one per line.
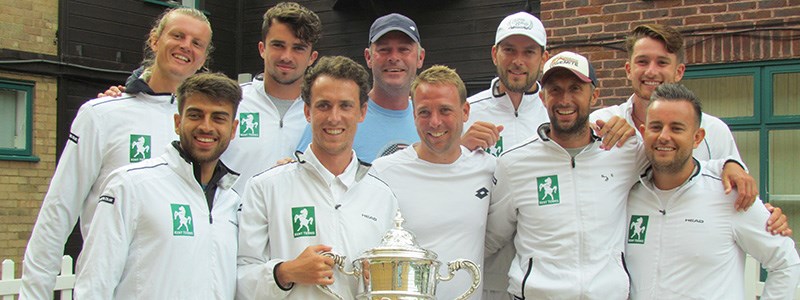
x=575, y=3
x=709, y=9
x=616, y=27
x=615, y=8
x=551, y=5
x=577, y=21
x=683, y=11
x=699, y=19
x=553, y=23
x=590, y=29
x=613, y=64
x=601, y=19
x=724, y=18
x=786, y=12
x=614, y=83
x=667, y=3
x=565, y=13
x=760, y=14
x=742, y=5
x=600, y=2
x=653, y=14
x=765, y=4
x=589, y=10
x=627, y=17
x=564, y=31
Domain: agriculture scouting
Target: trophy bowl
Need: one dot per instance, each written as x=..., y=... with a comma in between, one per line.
x=399, y=269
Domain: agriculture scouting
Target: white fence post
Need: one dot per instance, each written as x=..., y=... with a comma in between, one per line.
x=66, y=281
x=10, y=286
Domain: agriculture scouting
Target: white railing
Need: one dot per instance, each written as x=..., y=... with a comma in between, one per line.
x=753, y=286
x=9, y=286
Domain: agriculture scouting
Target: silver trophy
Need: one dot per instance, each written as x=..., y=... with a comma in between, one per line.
x=399, y=269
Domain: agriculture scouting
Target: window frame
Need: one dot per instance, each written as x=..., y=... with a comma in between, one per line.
x=763, y=119
x=26, y=153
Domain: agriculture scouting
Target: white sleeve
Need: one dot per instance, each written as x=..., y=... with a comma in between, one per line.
x=255, y=277
x=75, y=174
x=105, y=251
x=720, y=139
x=776, y=253
x=502, y=221
x=606, y=113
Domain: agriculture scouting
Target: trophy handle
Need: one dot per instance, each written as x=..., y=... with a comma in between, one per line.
x=338, y=261
x=471, y=267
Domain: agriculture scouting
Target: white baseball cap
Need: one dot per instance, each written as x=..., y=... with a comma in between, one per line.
x=574, y=62
x=522, y=23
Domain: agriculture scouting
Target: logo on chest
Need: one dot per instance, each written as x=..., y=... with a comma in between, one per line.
x=140, y=147
x=547, y=187
x=303, y=222
x=497, y=149
x=637, y=230
x=249, y=124
x=182, y=224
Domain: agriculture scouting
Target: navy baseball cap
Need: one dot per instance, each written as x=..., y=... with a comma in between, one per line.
x=392, y=22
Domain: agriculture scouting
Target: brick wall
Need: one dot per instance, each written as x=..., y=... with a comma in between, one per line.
x=23, y=184
x=715, y=31
x=28, y=26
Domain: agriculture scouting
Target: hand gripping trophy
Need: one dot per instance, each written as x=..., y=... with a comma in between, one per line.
x=399, y=269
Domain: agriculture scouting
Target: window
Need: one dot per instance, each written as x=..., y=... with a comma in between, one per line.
x=760, y=102
x=16, y=119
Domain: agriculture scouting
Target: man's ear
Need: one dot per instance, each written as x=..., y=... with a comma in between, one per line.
x=628, y=70
x=679, y=72
x=466, y=111
x=233, y=130
x=307, y=112
x=421, y=57
x=177, y=121
x=595, y=96
x=494, y=55
x=699, y=135
x=368, y=57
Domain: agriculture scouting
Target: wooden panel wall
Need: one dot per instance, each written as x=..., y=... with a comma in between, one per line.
x=456, y=33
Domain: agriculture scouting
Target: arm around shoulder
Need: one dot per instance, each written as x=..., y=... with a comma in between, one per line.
x=777, y=254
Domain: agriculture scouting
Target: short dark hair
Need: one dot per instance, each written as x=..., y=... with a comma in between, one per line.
x=672, y=39
x=216, y=86
x=305, y=24
x=338, y=67
x=441, y=75
x=678, y=92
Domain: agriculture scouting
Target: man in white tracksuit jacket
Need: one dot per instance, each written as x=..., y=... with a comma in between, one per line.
x=565, y=197
x=109, y=133
x=271, y=119
x=324, y=202
x=656, y=54
x=166, y=228
x=684, y=240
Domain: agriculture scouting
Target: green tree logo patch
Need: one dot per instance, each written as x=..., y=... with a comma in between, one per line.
x=140, y=147
x=303, y=222
x=547, y=187
x=497, y=149
x=637, y=230
x=249, y=124
x=182, y=224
